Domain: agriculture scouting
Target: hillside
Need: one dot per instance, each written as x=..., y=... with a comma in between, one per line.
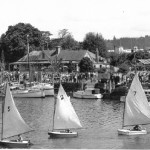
x=129, y=43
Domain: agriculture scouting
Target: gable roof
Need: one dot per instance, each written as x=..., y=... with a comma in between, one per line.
x=37, y=56
x=50, y=55
x=71, y=55
x=32, y=56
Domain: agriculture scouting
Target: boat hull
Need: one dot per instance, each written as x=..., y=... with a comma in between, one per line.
x=28, y=94
x=47, y=88
x=131, y=132
x=60, y=134
x=15, y=144
x=49, y=92
x=81, y=94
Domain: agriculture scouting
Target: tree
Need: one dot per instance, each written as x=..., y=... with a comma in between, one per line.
x=45, y=41
x=93, y=41
x=62, y=33
x=14, y=41
x=123, y=68
x=68, y=42
x=86, y=65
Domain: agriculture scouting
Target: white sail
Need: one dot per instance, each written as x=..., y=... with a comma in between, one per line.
x=13, y=123
x=65, y=116
x=137, y=109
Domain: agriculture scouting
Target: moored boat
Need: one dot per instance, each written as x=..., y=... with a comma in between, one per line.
x=89, y=93
x=46, y=87
x=28, y=93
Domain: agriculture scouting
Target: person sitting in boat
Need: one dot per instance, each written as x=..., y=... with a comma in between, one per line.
x=137, y=128
x=67, y=130
x=20, y=138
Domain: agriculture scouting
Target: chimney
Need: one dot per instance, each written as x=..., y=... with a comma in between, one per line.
x=58, y=48
x=97, y=55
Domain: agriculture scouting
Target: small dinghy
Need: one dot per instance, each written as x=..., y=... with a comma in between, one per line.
x=136, y=110
x=12, y=123
x=64, y=117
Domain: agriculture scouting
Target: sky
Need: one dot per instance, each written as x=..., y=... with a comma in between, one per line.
x=119, y=18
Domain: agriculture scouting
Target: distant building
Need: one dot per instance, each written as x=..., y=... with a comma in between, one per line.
x=122, y=50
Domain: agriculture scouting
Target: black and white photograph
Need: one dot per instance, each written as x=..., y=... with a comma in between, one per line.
x=74, y=74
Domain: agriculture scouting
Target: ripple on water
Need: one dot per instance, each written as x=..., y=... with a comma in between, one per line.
x=100, y=120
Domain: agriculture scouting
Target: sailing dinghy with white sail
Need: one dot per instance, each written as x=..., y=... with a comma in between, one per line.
x=12, y=123
x=136, y=110
x=64, y=118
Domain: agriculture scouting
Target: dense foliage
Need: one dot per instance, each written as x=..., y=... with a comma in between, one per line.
x=86, y=65
x=129, y=42
x=14, y=41
x=92, y=41
x=65, y=40
x=13, y=46
x=126, y=61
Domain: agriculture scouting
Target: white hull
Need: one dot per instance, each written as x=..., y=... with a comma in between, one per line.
x=28, y=93
x=131, y=132
x=47, y=88
x=62, y=134
x=14, y=144
x=82, y=94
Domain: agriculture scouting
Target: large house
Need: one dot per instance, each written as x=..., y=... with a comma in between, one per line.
x=37, y=60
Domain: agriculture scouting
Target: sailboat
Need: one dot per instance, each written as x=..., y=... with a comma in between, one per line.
x=136, y=110
x=12, y=123
x=64, y=117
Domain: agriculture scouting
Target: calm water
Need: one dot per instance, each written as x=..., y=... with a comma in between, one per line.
x=100, y=119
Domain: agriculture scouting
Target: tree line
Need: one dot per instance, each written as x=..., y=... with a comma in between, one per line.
x=13, y=44
x=14, y=41
x=128, y=42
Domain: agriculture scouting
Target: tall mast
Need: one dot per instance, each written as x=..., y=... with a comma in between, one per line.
x=28, y=56
x=2, y=117
x=123, y=112
x=2, y=70
x=3, y=104
x=55, y=99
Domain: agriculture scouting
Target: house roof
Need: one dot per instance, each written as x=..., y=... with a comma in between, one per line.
x=64, y=55
x=32, y=56
x=36, y=56
x=71, y=55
